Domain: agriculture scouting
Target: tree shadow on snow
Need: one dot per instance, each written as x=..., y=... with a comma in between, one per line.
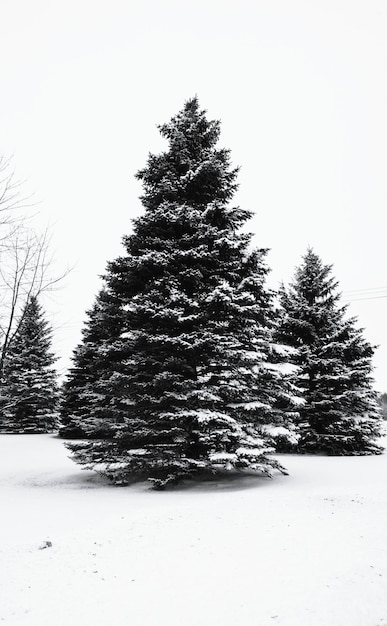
x=77, y=480
x=210, y=483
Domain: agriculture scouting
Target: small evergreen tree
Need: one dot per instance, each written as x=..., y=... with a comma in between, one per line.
x=29, y=389
x=339, y=413
x=184, y=385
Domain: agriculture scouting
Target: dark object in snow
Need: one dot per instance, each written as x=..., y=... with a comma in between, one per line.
x=45, y=544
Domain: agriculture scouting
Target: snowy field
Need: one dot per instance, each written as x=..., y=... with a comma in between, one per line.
x=309, y=549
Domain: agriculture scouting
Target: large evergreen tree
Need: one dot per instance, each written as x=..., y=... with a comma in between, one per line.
x=339, y=413
x=29, y=391
x=185, y=386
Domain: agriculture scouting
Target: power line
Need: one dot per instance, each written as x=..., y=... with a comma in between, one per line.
x=351, y=292
x=368, y=293
x=368, y=298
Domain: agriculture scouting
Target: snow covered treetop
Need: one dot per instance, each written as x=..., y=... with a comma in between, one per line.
x=192, y=170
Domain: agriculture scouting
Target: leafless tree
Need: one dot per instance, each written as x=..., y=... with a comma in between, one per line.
x=25, y=259
x=11, y=200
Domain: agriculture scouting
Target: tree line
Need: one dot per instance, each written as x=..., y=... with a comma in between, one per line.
x=189, y=364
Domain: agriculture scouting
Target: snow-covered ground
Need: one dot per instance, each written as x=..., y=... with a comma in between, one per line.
x=309, y=549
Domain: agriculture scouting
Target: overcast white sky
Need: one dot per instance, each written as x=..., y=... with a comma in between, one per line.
x=300, y=87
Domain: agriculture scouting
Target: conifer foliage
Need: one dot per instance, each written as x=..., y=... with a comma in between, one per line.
x=29, y=392
x=339, y=414
x=84, y=398
x=179, y=379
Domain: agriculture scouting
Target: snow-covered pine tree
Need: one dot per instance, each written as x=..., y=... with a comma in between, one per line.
x=182, y=386
x=339, y=414
x=82, y=407
x=29, y=389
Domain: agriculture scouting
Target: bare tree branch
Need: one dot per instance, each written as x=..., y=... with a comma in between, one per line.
x=25, y=259
x=10, y=192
